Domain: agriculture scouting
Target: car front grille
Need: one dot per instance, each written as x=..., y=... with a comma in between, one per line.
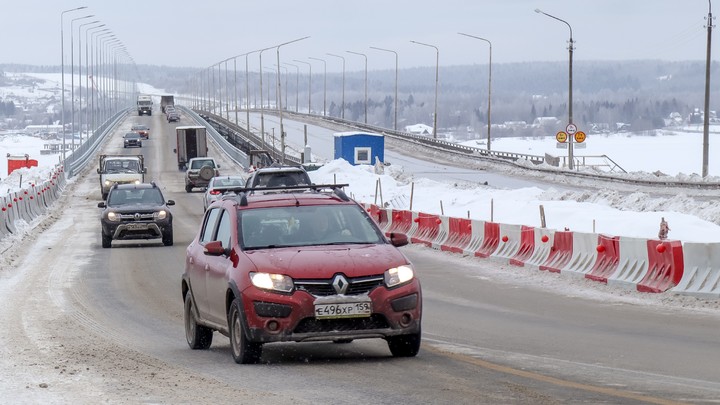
x=138, y=216
x=313, y=325
x=324, y=287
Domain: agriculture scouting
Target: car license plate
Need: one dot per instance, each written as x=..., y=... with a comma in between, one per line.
x=137, y=227
x=343, y=310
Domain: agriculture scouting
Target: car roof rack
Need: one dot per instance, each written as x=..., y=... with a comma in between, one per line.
x=243, y=192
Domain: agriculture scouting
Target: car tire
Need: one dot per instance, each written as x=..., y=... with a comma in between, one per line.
x=106, y=240
x=243, y=351
x=404, y=345
x=188, y=188
x=198, y=337
x=206, y=173
x=167, y=237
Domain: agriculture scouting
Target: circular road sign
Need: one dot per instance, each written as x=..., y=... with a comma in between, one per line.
x=571, y=129
x=561, y=137
x=580, y=137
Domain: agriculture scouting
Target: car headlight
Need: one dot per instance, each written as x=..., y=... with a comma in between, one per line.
x=398, y=275
x=162, y=214
x=108, y=183
x=113, y=216
x=267, y=281
x=137, y=181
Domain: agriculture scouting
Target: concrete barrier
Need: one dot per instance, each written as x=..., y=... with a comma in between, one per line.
x=608, y=258
x=490, y=240
x=543, y=245
x=443, y=232
x=510, y=241
x=665, y=266
x=701, y=274
x=633, y=263
x=526, y=248
x=460, y=235
x=427, y=228
x=561, y=252
x=584, y=254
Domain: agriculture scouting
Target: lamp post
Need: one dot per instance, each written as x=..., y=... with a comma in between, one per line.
x=72, y=77
x=324, y=83
x=92, y=75
x=279, y=94
x=437, y=80
x=80, y=74
x=396, y=80
x=309, y=82
x=489, y=83
x=286, y=85
x=342, y=113
x=570, y=114
x=62, y=71
x=262, y=108
x=366, y=82
x=297, y=84
x=247, y=92
x=88, y=73
x=706, y=115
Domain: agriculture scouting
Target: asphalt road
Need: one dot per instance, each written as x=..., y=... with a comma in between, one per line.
x=84, y=324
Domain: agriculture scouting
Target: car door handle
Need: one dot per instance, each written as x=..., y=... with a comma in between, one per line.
x=192, y=260
x=207, y=267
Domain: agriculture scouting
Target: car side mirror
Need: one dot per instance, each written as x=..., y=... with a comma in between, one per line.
x=170, y=202
x=144, y=170
x=174, y=150
x=218, y=166
x=102, y=204
x=214, y=248
x=98, y=170
x=397, y=239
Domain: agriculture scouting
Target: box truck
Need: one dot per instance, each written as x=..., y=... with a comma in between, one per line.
x=191, y=143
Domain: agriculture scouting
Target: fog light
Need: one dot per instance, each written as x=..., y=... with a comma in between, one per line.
x=272, y=326
x=405, y=319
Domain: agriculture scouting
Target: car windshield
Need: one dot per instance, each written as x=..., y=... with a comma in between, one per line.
x=142, y=196
x=122, y=166
x=280, y=179
x=306, y=226
x=132, y=135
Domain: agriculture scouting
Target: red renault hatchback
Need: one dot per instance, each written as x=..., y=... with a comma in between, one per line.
x=300, y=263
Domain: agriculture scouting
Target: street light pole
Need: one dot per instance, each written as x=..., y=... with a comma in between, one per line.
x=489, y=84
x=396, y=81
x=437, y=81
x=366, y=81
x=297, y=84
x=62, y=72
x=80, y=71
x=324, y=83
x=309, y=82
x=570, y=98
x=72, y=77
x=342, y=113
x=706, y=118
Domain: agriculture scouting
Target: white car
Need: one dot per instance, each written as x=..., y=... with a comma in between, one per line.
x=218, y=185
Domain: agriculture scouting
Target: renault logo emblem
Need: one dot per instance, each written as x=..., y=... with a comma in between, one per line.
x=340, y=284
x=137, y=216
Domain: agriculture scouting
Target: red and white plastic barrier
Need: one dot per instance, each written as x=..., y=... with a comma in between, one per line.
x=665, y=266
x=561, y=252
x=701, y=274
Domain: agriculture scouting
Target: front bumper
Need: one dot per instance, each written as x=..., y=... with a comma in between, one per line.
x=135, y=230
x=279, y=318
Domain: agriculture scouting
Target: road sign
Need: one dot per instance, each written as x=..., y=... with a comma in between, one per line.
x=580, y=137
x=561, y=137
x=571, y=129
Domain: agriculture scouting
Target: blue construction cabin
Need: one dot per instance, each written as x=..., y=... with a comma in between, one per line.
x=360, y=148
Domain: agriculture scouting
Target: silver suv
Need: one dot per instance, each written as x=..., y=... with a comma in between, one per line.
x=200, y=171
x=278, y=176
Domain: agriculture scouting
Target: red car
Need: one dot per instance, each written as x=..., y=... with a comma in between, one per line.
x=143, y=130
x=302, y=264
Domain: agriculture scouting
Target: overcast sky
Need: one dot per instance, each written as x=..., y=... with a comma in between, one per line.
x=202, y=33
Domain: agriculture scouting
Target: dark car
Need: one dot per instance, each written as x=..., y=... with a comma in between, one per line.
x=275, y=176
x=141, y=129
x=132, y=139
x=304, y=265
x=136, y=211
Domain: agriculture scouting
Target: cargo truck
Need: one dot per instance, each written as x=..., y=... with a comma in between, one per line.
x=191, y=143
x=144, y=104
x=166, y=101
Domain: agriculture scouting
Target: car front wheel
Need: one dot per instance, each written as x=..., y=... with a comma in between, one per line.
x=404, y=345
x=167, y=237
x=106, y=240
x=243, y=351
x=198, y=336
